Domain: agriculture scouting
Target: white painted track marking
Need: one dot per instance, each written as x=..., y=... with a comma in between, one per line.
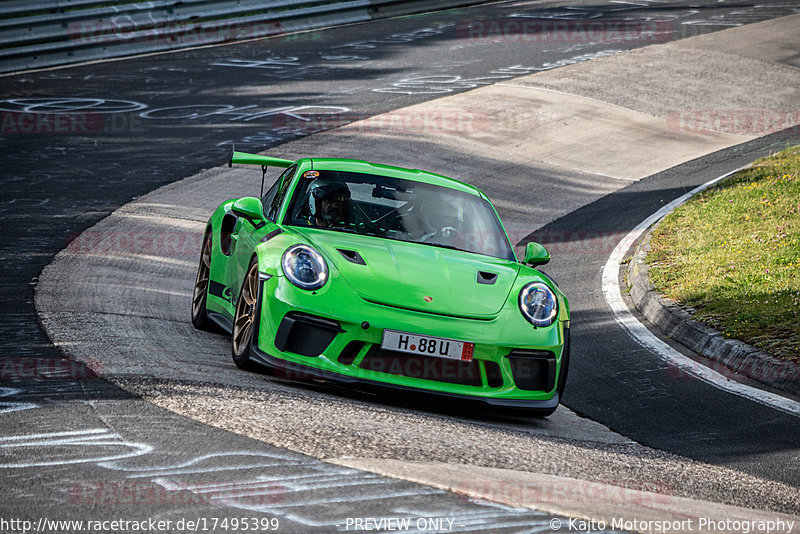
x=643, y=336
x=80, y=440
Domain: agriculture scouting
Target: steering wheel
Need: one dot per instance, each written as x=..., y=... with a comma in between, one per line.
x=448, y=232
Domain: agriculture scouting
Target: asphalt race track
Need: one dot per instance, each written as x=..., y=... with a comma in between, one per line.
x=70, y=437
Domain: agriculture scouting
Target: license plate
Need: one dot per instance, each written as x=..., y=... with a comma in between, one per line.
x=427, y=345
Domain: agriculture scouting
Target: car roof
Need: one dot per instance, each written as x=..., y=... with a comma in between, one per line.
x=365, y=167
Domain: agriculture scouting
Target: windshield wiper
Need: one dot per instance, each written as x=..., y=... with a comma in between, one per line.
x=442, y=245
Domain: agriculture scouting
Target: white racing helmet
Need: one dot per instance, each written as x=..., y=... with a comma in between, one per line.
x=335, y=192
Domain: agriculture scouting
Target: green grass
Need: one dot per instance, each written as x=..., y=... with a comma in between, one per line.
x=732, y=255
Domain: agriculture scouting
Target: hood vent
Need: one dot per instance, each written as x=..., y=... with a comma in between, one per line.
x=352, y=256
x=487, y=278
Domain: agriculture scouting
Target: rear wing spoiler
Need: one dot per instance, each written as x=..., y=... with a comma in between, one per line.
x=255, y=159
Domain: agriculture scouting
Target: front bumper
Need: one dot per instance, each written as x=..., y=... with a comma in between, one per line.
x=341, y=343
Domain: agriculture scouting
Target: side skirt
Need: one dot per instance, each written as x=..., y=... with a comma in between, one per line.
x=221, y=321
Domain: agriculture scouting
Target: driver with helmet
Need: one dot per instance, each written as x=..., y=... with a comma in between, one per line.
x=328, y=203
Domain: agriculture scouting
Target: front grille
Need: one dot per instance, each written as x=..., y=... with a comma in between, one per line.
x=425, y=367
x=533, y=370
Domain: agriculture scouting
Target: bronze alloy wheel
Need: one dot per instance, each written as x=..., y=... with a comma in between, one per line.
x=245, y=319
x=199, y=297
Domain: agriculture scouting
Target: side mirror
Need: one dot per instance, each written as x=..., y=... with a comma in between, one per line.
x=251, y=209
x=536, y=254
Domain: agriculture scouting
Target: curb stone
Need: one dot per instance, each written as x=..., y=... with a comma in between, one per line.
x=677, y=324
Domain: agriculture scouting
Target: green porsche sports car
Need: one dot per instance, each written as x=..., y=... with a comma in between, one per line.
x=372, y=275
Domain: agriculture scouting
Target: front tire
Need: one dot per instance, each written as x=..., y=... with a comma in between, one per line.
x=200, y=318
x=246, y=318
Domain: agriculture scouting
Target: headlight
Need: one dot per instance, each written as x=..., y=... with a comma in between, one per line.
x=538, y=304
x=304, y=267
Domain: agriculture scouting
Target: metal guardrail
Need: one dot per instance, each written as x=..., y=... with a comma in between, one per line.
x=38, y=34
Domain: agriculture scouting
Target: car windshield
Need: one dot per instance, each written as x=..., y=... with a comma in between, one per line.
x=394, y=208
